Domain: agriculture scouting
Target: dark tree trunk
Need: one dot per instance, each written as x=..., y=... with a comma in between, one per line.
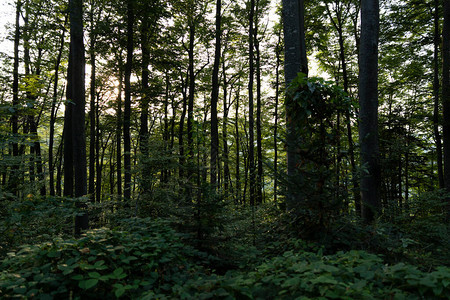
x=251, y=141
x=98, y=159
x=446, y=97
x=78, y=111
x=436, y=123
x=181, y=128
x=92, y=112
x=127, y=110
x=225, y=155
x=53, y=112
x=14, y=177
x=119, y=122
x=143, y=133
x=215, y=98
x=275, y=129
x=67, y=134
x=259, y=176
x=191, y=80
x=368, y=99
x=295, y=61
x=145, y=100
x=238, y=142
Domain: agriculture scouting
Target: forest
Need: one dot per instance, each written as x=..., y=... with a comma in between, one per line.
x=226, y=149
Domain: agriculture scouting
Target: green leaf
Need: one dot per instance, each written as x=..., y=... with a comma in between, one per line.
x=119, y=292
x=87, y=284
x=78, y=277
x=95, y=275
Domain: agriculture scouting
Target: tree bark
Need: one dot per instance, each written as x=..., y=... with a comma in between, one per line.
x=368, y=99
x=53, y=112
x=191, y=80
x=92, y=112
x=259, y=157
x=77, y=86
x=295, y=61
x=14, y=177
x=251, y=154
x=127, y=108
x=446, y=98
x=215, y=98
x=119, y=122
x=436, y=123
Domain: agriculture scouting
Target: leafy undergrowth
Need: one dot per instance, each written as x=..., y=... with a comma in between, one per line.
x=150, y=261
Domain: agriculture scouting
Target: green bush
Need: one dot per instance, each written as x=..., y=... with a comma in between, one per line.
x=149, y=260
x=100, y=265
x=345, y=275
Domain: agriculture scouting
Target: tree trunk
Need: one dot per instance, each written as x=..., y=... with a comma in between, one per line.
x=295, y=61
x=251, y=155
x=215, y=98
x=446, y=98
x=14, y=177
x=225, y=155
x=92, y=112
x=259, y=158
x=368, y=101
x=145, y=100
x=77, y=87
x=238, y=142
x=119, y=131
x=191, y=81
x=275, y=129
x=53, y=112
x=437, y=134
x=127, y=110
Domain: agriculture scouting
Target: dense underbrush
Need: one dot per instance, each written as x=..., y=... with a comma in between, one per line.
x=147, y=259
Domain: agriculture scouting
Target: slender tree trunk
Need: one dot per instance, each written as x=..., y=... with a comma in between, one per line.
x=191, y=80
x=436, y=87
x=181, y=129
x=259, y=176
x=368, y=99
x=295, y=61
x=215, y=98
x=53, y=112
x=92, y=113
x=225, y=155
x=144, y=105
x=143, y=134
x=77, y=86
x=67, y=135
x=119, y=131
x=275, y=129
x=98, y=159
x=446, y=98
x=127, y=110
x=251, y=155
x=238, y=142
x=14, y=177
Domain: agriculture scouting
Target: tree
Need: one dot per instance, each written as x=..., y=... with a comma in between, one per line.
x=251, y=149
x=368, y=99
x=76, y=104
x=294, y=62
x=215, y=96
x=446, y=97
x=127, y=105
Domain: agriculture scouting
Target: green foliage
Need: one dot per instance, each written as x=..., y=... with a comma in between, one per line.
x=33, y=219
x=150, y=261
x=314, y=107
x=102, y=264
x=306, y=275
